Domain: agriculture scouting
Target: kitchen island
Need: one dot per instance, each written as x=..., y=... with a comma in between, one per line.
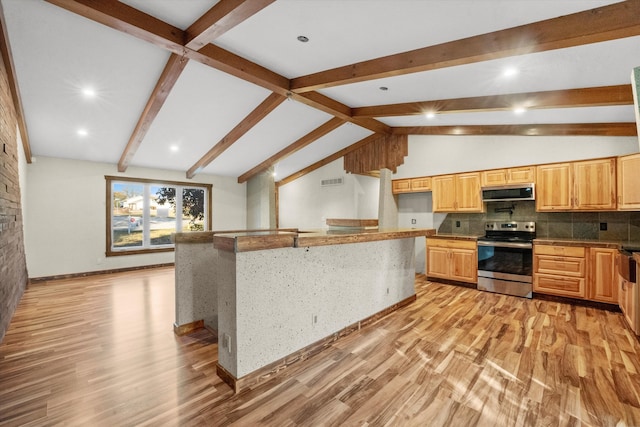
x=283, y=296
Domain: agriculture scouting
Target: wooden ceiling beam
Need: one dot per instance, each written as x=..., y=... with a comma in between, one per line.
x=312, y=136
x=223, y=16
x=168, y=78
x=7, y=58
x=328, y=159
x=122, y=17
x=618, y=20
x=563, y=129
x=260, y=112
x=585, y=97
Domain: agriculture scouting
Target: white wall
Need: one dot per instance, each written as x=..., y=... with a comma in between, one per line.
x=435, y=155
x=66, y=215
x=306, y=205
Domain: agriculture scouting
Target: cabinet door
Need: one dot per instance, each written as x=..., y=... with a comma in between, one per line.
x=421, y=184
x=629, y=182
x=523, y=175
x=444, y=193
x=553, y=187
x=464, y=265
x=437, y=262
x=595, y=184
x=601, y=284
x=401, y=186
x=468, y=195
x=494, y=177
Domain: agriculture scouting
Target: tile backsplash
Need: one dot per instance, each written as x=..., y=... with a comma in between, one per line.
x=620, y=226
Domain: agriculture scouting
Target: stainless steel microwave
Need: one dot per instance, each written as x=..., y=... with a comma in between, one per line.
x=509, y=193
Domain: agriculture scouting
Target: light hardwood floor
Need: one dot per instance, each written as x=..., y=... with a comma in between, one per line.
x=100, y=351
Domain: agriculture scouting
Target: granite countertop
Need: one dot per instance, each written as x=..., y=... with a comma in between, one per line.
x=260, y=240
x=588, y=243
x=451, y=236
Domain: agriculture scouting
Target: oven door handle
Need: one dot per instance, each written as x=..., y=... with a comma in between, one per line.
x=506, y=244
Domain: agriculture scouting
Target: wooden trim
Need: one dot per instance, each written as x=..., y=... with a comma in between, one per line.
x=610, y=22
x=273, y=369
x=97, y=273
x=584, y=97
x=309, y=138
x=578, y=302
x=328, y=159
x=109, y=179
x=563, y=129
x=7, y=57
x=259, y=113
x=187, y=328
x=222, y=17
x=168, y=78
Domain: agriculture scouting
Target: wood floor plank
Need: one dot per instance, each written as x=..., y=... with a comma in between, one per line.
x=100, y=350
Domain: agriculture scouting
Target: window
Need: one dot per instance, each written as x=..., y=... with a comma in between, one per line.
x=142, y=214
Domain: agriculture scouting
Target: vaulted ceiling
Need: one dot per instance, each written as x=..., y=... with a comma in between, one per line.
x=228, y=88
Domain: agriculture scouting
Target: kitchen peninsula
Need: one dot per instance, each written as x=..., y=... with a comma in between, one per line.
x=280, y=296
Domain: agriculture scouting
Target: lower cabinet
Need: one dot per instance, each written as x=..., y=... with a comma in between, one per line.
x=576, y=272
x=627, y=299
x=452, y=259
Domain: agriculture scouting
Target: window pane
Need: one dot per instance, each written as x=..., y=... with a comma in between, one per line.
x=126, y=218
x=193, y=209
x=162, y=215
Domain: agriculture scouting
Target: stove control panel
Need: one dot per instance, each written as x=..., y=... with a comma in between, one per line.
x=528, y=226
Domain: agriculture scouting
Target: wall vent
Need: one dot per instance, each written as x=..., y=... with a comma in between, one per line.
x=332, y=181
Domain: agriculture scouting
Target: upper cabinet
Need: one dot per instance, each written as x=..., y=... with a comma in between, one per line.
x=588, y=185
x=629, y=182
x=457, y=193
x=497, y=177
x=411, y=185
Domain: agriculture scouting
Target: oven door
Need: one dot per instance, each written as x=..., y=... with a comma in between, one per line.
x=505, y=267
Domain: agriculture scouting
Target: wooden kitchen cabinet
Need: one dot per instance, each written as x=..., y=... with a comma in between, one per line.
x=401, y=186
x=553, y=187
x=587, y=185
x=627, y=299
x=497, y=177
x=559, y=270
x=628, y=178
x=452, y=259
x=411, y=185
x=457, y=193
x=602, y=282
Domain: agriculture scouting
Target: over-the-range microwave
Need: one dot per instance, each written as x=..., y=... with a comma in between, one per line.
x=509, y=193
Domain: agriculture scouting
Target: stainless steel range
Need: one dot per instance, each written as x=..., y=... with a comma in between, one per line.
x=505, y=258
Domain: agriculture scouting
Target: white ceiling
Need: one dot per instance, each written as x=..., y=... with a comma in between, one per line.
x=57, y=53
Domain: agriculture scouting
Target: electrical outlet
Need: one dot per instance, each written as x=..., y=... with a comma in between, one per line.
x=413, y=221
x=314, y=319
x=387, y=291
x=603, y=226
x=457, y=223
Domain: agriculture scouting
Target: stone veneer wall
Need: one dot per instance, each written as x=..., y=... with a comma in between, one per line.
x=621, y=226
x=13, y=267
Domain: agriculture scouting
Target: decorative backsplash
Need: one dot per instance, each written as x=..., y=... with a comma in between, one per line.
x=620, y=226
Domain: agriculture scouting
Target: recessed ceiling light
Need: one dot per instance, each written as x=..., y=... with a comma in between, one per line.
x=303, y=39
x=174, y=148
x=519, y=110
x=82, y=132
x=510, y=72
x=430, y=115
x=89, y=92
x=383, y=88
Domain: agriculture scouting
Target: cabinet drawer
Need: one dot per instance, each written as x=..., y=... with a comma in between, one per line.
x=571, y=251
x=401, y=185
x=451, y=243
x=561, y=266
x=563, y=286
